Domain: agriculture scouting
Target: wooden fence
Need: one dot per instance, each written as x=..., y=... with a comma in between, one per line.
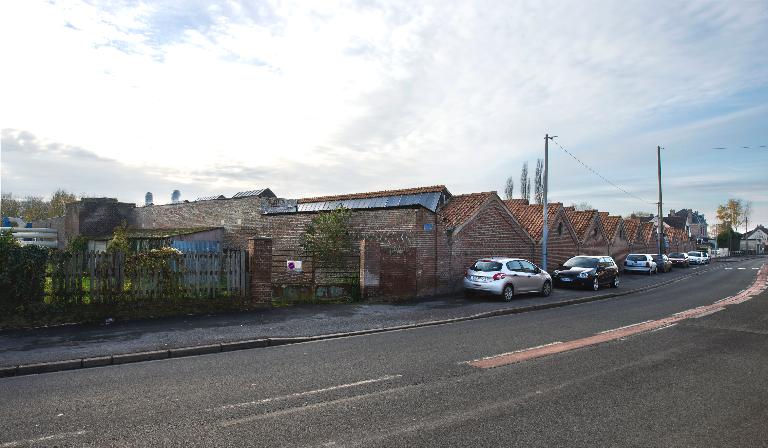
x=99, y=277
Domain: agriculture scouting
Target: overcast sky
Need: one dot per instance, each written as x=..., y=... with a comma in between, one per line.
x=321, y=97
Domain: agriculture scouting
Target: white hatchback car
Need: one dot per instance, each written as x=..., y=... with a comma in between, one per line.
x=506, y=277
x=698, y=257
x=640, y=263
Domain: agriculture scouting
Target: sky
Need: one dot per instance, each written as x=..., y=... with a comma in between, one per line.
x=326, y=97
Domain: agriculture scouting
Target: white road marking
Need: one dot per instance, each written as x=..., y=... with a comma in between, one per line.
x=63, y=435
x=741, y=269
x=728, y=269
x=512, y=353
x=716, y=310
x=754, y=269
x=663, y=328
x=304, y=394
x=626, y=326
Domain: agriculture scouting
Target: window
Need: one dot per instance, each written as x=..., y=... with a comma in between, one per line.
x=528, y=267
x=581, y=262
x=486, y=266
x=560, y=229
x=514, y=266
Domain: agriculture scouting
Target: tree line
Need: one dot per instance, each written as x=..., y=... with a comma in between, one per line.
x=31, y=208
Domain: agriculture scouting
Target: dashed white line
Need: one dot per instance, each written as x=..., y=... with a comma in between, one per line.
x=63, y=435
x=728, y=269
x=304, y=394
x=741, y=269
x=663, y=328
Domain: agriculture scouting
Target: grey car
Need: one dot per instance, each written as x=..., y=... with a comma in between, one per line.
x=506, y=277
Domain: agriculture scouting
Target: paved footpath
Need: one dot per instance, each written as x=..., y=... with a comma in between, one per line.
x=19, y=347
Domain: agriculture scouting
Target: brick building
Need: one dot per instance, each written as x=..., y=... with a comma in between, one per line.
x=618, y=244
x=589, y=231
x=480, y=225
x=562, y=242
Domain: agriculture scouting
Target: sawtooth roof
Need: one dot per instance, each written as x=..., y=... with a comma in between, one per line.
x=462, y=207
x=531, y=216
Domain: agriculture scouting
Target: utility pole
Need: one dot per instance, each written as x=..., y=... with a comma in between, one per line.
x=661, y=219
x=545, y=206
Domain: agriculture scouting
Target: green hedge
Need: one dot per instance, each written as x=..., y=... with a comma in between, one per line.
x=22, y=273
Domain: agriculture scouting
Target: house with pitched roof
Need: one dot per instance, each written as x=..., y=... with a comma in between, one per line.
x=755, y=241
x=562, y=242
x=647, y=239
x=618, y=243
x=479, y=225
x=589, y=230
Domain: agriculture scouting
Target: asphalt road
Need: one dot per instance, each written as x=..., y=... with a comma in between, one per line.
x=699, y=383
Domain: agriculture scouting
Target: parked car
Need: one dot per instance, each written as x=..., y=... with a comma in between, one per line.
x=663, y=263
x=679, y=259
x=698, y=257
x=587, y=271
x=640, y=263
x=506, y=277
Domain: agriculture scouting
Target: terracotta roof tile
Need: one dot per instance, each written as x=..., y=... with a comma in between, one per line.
x=461, y=207
x=580, y=220
x=631, y=226
x=646, y=232
x=610, y=224
x=375, y=194
x=531, y=217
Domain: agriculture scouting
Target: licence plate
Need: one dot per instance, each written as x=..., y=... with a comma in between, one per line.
x=566, y=279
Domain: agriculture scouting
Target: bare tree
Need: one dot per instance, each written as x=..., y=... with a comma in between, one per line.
x=509, y=188
x=582, y=206
x=525, y=183
x=538, y=182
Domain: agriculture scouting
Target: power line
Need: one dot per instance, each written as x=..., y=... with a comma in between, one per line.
x=601, y=176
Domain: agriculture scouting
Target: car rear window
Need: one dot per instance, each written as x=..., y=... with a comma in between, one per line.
x=581, y=262
x=694, y=254
x=676, y=255
x=637, y=258
x=486, y=266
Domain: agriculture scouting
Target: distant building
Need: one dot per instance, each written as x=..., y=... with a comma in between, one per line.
x=695, y=222
x=755, y=241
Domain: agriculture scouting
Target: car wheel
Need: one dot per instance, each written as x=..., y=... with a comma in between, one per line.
x=508, y=293
x=615, y=282
x=650, y=271
x=595, y=285
x=546, y=290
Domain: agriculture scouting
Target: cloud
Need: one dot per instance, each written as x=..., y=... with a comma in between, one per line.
x=333, y=97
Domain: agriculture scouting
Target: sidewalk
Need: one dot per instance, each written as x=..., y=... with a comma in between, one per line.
x=20, y=347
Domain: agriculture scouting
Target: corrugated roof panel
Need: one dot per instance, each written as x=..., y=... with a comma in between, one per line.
x=429, y=201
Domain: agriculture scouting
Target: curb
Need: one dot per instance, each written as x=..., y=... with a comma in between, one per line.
x=126, y=358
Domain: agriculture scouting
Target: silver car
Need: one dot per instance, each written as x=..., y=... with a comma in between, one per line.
x=506, y=277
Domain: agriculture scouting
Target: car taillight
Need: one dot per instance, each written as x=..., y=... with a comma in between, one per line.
x=499, y=276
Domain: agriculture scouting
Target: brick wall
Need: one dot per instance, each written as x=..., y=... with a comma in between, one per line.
x=491, y=233
x=594, y=241
x=619, y=248
x=96, y=217
x=562, y=244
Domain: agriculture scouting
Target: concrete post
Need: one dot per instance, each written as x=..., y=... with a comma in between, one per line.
x=260, y=267
x=370, y=268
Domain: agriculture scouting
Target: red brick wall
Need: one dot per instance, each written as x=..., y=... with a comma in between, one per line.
x=560, y=246
x=491, y=233
x=594, y=242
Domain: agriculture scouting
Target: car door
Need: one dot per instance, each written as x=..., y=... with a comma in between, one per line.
x=611, y=268
x=517, y=274
x=531, y=278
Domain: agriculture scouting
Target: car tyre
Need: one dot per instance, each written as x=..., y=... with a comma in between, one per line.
x=546, y=290
x=615, y=282
x=508, y=293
